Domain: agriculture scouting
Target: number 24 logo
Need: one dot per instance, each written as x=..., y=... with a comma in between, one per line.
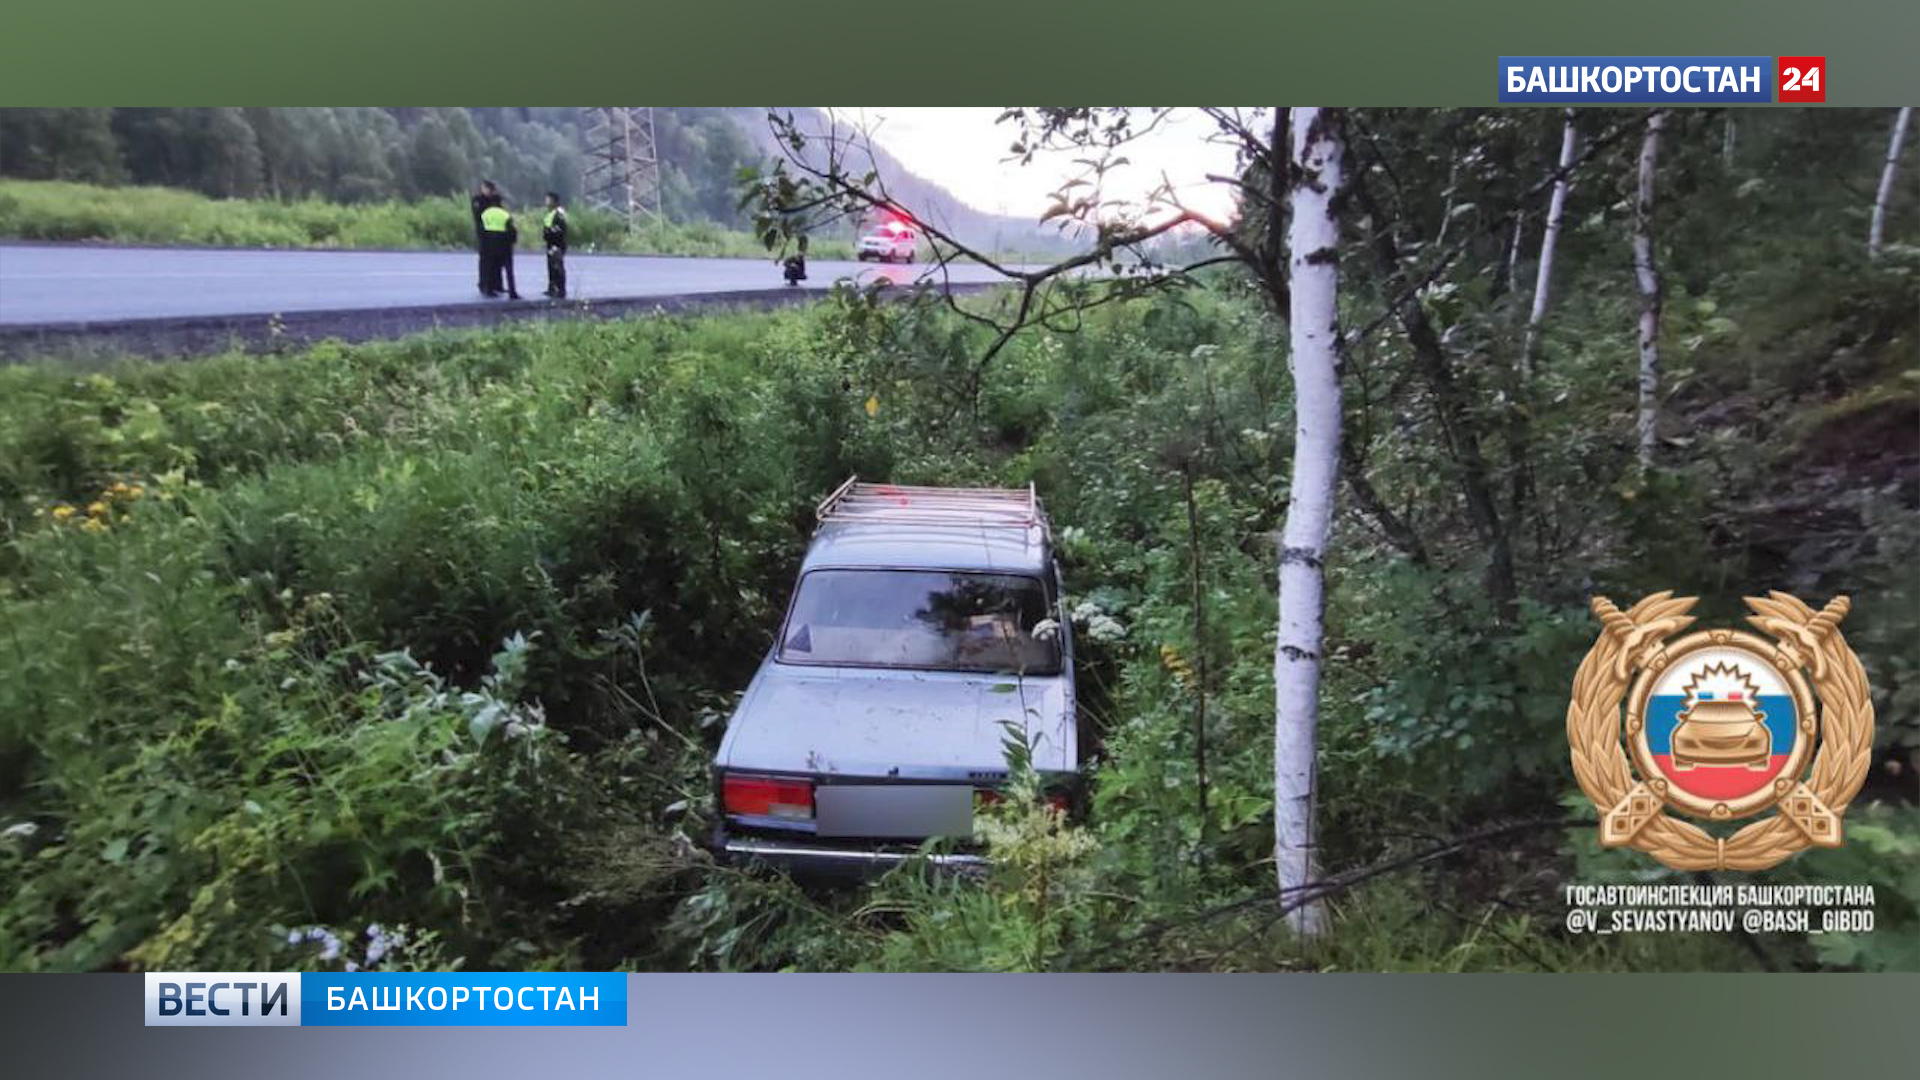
x=1803, y=78
x=1794, y=79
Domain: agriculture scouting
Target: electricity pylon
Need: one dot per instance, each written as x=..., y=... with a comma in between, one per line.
x=622, y=170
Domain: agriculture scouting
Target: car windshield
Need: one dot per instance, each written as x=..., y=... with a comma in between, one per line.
x=936, y=619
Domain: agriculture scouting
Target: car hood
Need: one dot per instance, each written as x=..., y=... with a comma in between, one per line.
x=883, y=723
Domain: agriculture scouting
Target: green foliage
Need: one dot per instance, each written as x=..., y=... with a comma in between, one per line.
x=427, y=511
x=438, y=635
x=366, y=155
x=306, y=792
x=1882, y=850
x=60, y=144
x=49, y=210
x=1034, y=855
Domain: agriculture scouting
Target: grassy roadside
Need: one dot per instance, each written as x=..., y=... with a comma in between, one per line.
x=439, y=634
x=50, y=210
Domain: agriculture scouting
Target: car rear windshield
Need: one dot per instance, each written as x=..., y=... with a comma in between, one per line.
x=932, y=619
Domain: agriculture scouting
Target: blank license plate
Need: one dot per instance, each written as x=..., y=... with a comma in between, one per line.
x=893, y=811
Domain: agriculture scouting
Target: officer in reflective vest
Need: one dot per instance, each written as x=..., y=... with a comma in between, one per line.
x=553, y=230
x=499, y=239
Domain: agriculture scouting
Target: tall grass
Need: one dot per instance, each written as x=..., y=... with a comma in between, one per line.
x=441, y=633
x=371, y=607
x=52, y=210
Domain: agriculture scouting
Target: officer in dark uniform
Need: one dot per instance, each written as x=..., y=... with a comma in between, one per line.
x=482, y=199
x=553, y=230
x=499, y=235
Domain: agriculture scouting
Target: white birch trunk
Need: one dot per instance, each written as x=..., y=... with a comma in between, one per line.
x=1513, y=253
x=1313, y=245
x=1877, y=232
x=1543, y=276
x=1649, y=277
x=1446, y=212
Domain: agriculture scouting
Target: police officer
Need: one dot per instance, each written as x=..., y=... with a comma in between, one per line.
x=553, y=230
x=483, y=198
x=499, y=237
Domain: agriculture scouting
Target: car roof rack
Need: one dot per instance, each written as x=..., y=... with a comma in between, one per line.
x=908, y=504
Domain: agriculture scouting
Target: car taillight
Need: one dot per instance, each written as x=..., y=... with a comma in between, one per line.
x=767, y=796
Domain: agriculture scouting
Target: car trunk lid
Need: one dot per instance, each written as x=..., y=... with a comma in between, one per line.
x=898, y=725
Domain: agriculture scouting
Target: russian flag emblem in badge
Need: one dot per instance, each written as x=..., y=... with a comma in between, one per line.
x=1720, y=726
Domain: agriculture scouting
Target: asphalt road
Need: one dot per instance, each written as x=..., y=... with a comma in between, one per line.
x=77, y=283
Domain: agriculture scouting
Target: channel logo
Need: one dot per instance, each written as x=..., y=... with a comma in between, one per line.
x=1653, y=80
x=425, y=999
x=222, y=999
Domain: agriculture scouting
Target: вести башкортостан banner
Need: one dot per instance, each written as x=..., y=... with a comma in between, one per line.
x=442, y=998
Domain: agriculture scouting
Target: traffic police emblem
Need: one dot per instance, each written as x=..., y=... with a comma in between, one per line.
x=1720, y=726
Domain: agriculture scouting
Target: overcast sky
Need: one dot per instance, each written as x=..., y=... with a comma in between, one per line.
x=963, y=150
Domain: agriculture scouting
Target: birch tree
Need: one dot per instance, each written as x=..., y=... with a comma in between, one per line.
x=1543, y=276
x=1512, y=264
x=1519, y=417
x=1877, y=231
x=1648, y=275
x=1291, y=175
x=1313, y=261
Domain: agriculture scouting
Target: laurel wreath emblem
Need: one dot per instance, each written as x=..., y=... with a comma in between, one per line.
x=1632, y=809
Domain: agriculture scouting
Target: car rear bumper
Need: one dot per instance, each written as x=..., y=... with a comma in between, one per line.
x=802, y=857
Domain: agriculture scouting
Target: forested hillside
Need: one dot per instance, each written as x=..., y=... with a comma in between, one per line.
x=379, y=155
x=438, y=636
x=354, y=155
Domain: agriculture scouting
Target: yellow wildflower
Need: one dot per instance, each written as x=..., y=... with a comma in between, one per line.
x=94, y=525
x=62, y=512
x=96, y=508
x=1175, y=663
